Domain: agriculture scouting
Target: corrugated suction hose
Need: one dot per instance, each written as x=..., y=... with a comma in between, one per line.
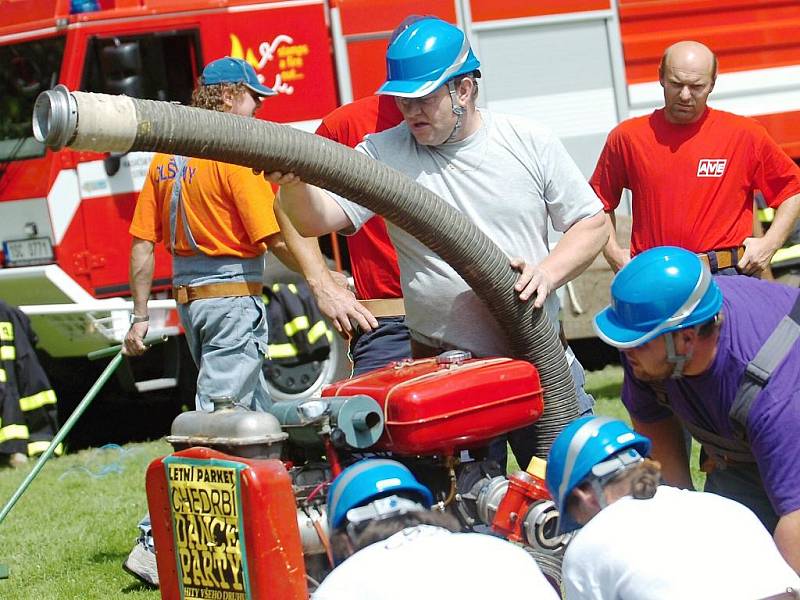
x=104, y=123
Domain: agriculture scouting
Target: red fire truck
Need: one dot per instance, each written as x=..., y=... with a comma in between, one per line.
x=579, y=66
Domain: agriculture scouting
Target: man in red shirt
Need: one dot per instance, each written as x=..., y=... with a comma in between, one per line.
x=693, y=170
x=373, y=259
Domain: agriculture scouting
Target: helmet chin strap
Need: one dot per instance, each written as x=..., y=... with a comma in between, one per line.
x=458, y=110
x=677, y=360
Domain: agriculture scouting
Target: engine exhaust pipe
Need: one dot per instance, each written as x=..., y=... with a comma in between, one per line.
x=104, y=123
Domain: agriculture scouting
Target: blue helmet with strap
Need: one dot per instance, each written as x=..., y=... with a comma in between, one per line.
x=425, y=55
x=369, y=480
x=660, y=290
x=598, y=446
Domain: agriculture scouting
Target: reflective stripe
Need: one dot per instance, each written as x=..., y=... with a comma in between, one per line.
x=8, y=353
x=13, y=432
x=766, y=215
x=6, y=332
x=39, y=447
x=3, y=377
x=295, y=325
x=789, y=253
x=265, y=298
x=319, y=329
x=281, y=350
x=37, y=400
x=276, y=287
x=292, y=288
x=576, y=444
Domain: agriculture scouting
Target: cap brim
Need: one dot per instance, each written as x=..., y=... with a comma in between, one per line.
x=261, y=90
x=612, y=332
x=407, y=89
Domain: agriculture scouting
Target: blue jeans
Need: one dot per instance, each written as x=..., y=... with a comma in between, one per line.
x=227, y=338
x=523, y=441
x=390, y=342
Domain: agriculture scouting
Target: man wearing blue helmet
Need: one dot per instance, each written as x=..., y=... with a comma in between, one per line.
x=397, y=548
x=718, y=356
x=639, y=540
x=509, y=175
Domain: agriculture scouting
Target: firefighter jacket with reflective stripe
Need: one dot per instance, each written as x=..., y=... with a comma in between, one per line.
x=297, y=331
x=28, y=403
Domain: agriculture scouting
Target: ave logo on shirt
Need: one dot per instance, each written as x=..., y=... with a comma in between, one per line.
x=711, y=167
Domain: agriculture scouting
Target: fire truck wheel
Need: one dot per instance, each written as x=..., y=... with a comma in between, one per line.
x=307, y=379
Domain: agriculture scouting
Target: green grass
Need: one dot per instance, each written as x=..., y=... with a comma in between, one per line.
x=67, y=536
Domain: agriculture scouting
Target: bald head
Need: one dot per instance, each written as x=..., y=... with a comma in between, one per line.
x=689, y=55
x=687, y=73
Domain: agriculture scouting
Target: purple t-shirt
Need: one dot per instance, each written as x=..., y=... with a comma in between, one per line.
x=752, y=309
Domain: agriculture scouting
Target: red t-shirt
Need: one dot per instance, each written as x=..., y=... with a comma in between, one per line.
x=373, y=259
x=693, y=185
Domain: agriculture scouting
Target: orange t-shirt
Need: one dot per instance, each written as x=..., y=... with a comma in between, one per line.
x=693, y=184
x=229, y=209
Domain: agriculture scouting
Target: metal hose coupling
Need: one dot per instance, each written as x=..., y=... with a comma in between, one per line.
x=533, y=523
x=107, y=123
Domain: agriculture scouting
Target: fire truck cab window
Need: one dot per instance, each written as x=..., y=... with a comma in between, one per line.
x=28, y=68
x=151, y=66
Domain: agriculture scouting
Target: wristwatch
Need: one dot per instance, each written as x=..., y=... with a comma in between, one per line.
x=132, y=318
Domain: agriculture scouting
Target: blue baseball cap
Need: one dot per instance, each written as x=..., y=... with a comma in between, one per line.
x=234, y=70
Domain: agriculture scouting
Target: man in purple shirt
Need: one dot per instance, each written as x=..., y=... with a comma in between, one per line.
x=699, y=352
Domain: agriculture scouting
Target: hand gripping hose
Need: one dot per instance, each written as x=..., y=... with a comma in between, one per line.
x=104, y=123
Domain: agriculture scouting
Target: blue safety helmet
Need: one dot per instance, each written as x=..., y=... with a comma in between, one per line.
x=426, y=54
x=661, y=290
x=368, y=480
x=583, y=444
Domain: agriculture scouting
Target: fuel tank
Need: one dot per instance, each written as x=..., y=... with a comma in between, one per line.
x=448, y=403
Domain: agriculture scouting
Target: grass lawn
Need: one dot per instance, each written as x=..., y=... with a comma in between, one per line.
x=67, y=536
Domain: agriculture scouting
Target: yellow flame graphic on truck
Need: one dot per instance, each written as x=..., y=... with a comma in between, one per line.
x=291, y=60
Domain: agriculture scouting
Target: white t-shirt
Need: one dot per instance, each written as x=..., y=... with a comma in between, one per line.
x=676, y=545
x=431, y=563
x=508, y=177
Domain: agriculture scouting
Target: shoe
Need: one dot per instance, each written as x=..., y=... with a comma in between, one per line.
x=17, y=460
x=141, y=563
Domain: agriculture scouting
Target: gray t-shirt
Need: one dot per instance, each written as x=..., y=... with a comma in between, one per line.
x=508, y=178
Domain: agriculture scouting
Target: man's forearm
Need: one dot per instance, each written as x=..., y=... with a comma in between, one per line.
x=787, y=538
x=669, y=448
x=615, y=255
x=142, y=265
x=576, y=250
x=311, y=209
x=784, y=221
x=304, y=250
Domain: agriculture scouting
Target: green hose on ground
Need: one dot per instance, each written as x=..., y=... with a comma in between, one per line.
x=116, y=351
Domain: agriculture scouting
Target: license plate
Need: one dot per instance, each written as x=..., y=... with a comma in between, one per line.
x=33, y=251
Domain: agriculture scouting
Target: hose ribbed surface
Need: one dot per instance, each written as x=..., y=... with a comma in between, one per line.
x=175, y=129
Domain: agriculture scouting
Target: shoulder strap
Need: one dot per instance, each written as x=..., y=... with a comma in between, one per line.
x=760, y=369
x=176, y=205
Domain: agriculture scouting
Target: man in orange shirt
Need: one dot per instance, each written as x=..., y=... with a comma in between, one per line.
x=217, y=221
x=692, y=171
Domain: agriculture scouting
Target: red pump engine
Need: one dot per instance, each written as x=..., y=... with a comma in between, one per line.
x=448, y=403
x=436, y=415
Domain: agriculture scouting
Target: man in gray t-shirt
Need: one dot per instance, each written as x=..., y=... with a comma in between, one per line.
x=507, y=174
